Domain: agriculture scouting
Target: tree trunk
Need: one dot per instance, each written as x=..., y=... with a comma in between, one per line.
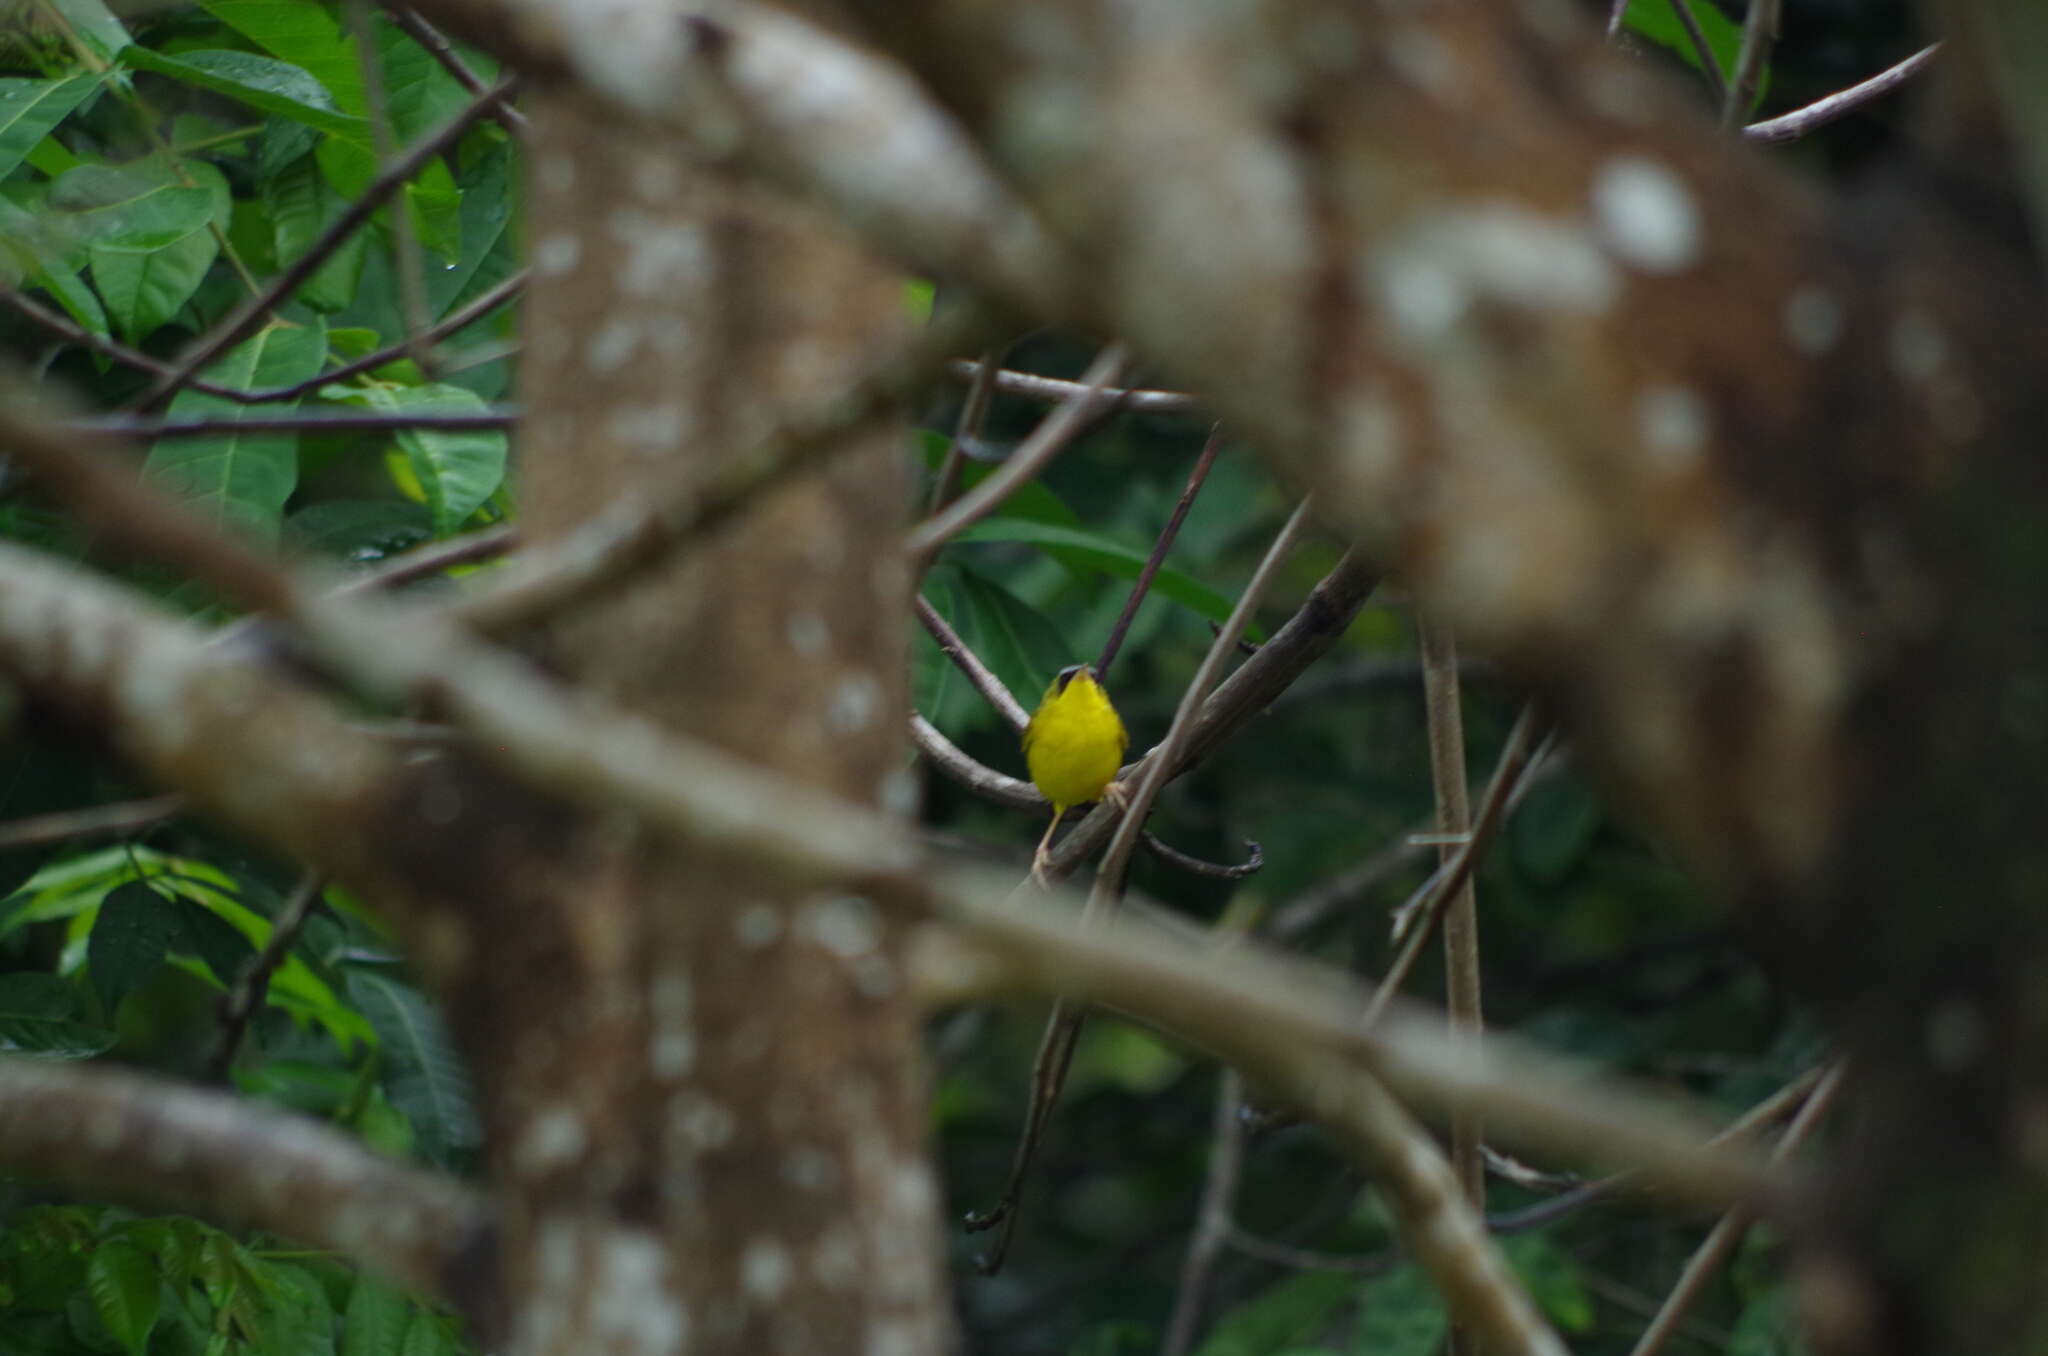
x=710, y=1113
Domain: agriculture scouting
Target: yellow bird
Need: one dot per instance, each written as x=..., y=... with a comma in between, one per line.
x=1073, y=747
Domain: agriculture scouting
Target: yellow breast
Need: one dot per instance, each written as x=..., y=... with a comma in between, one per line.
x=1075, y=741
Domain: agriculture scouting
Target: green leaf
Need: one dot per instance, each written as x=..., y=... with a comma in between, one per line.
x=1554, y=1280
x=360, y=531
x=143, y=205
x=1399, y=1315
x=126, y=1293
x=457, y=470
x=241, y=479
x=376, y=1320
x=93, y=24
x=1765, y=1328
x=263, y=83
x=39, y=1019
x=305, y=35
x=918, y=294
x=301, y=207
x=217, y=943
x=1552, y=830
x=31, y=109
x=1032, y=501
x=296, y=1317
x=132, y=937
x=148, y=228
x=144, y=290
x=1013, y=638
x=436, y=207
x=1284, y=1315
x=429, y=1334
x=1082, y=550
x=425, y=1078
x=1659, y=22
x=419, y=93
x=490, y=247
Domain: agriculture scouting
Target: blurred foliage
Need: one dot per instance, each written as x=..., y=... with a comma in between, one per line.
x=154, y=177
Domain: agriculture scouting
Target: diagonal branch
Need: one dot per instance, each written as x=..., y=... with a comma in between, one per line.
x=143, y=1139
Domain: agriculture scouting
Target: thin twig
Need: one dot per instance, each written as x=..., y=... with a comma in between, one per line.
x=1255, y=858
x=1710, y=65
x=1063, y=1027
x=405, y=242
x=1052, y=390
x=978, y=674
x=252, y=316
x=1213, y=1223
x=1416, y=917
x=1446, y=724
x=242, y=1000
x=112, y=348
x=1759, y=32
x=967, y=428
x=1308, y=635
x=1053, y=435
x=1750, y=1123
x=642, y=528
x=1143, y=584
x=104, y=345
x=1002, y=789
x=978, y=777
x=440, y=49
x=99, y=821
x=471, y=548
x=1800, y=121
x=1616, y=12
x=1721, y=1242
x=312, y=421
x=459, y=319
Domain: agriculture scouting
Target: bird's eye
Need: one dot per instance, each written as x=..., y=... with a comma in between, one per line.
x=1066, y=675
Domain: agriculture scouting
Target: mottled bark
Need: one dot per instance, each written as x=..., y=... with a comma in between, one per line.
x=711, y=1125
x=1741, y=476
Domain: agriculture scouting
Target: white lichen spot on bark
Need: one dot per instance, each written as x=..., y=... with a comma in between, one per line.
x=807, y=634
x=557, y=172
x=1431, y=275
x=672, y=1046
x=635, y=1306
x=611, y=348
x=1918, y=348
x=1646, y=215
x=874, y=976
x=1675, y=425
x=845, y=925
x=809, y=1168
x=758, y=925
x=631, y=51
x=894, y=1337
x=1425, y=61
x=1370, y=429
x=1813, y=319
x=855, y=703
x=661, y=255
x=658, y=428
x=697, y=1124
x=557, y=254
x=553, y=1137
x=835, y=1258
x=765, y=1269
x=899, y=792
